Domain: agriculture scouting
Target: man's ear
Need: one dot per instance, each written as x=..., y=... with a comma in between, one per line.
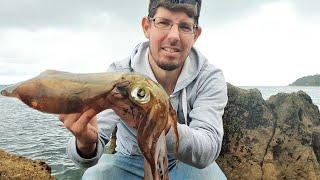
x=197, y=33
x=146, y=25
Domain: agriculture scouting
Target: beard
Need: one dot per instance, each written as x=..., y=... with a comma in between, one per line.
x=168, y=66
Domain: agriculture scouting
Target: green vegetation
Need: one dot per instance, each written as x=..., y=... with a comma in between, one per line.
x=307, y=81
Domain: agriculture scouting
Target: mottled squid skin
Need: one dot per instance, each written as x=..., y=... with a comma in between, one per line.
x=130, y=94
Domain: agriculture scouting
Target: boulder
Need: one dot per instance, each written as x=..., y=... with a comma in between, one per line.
x=18, y=167
x=274, y=139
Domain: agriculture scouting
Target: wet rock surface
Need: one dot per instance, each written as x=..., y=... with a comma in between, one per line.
x=17, y=167
x=274, y=139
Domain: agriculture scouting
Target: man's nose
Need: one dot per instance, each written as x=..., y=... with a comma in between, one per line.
x=173, y=33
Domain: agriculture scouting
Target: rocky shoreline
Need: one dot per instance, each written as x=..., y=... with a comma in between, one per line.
x=274, y=139
x=18, y=167
x=278, y=138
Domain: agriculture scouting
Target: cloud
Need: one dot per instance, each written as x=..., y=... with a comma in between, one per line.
x=252, y=41
x=268, y=48
x=221, y=12
x=44, y=13
x=35, y=14
x=308, y=11
x=26, y=53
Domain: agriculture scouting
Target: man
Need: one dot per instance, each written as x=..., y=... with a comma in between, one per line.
x=197, y=92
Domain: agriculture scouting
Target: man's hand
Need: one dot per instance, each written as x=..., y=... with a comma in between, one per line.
x=84, y=127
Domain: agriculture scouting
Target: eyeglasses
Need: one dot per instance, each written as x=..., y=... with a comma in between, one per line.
x=166, y=24
x=185, y=1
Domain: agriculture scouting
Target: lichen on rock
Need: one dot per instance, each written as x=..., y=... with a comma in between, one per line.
x=18, y=167
x=273, y=139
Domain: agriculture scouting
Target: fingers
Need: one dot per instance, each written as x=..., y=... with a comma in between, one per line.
x=82, y=122
x=69, y=120
x=62, y=117
x=77, y=122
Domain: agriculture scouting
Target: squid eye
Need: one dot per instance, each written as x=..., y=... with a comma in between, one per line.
x=140, y=94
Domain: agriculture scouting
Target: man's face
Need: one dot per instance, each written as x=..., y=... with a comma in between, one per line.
x=169, y=48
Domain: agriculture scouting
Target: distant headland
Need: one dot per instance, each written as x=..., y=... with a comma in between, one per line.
x=313, y=80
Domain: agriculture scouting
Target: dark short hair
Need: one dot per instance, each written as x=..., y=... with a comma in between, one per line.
x=190, y=7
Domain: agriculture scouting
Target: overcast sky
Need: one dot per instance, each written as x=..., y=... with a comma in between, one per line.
x=255, y=42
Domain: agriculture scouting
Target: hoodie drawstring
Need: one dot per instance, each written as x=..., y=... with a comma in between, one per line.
x=184, y=105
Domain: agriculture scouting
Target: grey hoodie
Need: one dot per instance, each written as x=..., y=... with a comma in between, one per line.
x=199, y=98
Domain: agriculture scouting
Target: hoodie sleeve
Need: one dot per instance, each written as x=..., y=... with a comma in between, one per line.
x=200, y=142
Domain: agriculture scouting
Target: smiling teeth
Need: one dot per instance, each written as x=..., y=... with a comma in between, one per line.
x=170, y=50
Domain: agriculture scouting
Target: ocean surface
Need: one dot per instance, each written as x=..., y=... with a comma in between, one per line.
x=40, y=136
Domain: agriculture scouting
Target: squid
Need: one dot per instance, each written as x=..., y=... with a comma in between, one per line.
x=132, y=94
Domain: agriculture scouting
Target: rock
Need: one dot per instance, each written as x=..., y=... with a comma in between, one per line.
x=17, y=167
x=273, y=139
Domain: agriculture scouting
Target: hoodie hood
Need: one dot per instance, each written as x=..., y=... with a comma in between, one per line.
x=191, y=68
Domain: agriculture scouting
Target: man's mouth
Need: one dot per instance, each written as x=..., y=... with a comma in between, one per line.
x=171, y=49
